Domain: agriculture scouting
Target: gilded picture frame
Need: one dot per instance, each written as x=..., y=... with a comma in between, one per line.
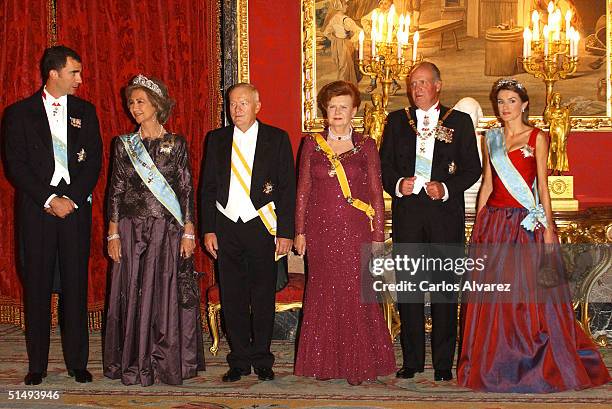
x=588, y=90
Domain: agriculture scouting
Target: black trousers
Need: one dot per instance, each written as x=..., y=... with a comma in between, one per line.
x=247, y=281
x=418, y=220
x=45, y=240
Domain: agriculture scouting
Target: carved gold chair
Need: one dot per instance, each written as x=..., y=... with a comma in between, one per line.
x=288, y=298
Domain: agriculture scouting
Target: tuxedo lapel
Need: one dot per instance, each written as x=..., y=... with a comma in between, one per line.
x=38, y=119
x=72, y=133
x=261, y=159
x=438, y=144
x=411, y=134
x=225, y=162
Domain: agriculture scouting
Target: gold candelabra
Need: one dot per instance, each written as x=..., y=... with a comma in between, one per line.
x=386, y=66
x=389, y=41
x=551, y=52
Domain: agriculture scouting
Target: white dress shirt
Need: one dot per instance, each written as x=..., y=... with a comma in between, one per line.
x=432, y=115
x=239, y=205
x=57, y=116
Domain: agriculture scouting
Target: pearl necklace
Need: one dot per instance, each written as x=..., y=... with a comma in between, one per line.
x=335, y=137
x=161, y=131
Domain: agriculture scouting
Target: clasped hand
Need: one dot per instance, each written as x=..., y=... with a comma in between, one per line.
x=60, y=207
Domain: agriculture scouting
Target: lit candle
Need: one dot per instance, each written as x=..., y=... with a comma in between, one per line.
x=568, y=25
x=390, y=20
x=373, y=39
x=361, y=38
x=374, y=18
x=407, y=26
x=545, y=34
x=551, y=8
x=558, y=23
x=380, y=32
x=400, y=30
x=576, y=42
x=415, y=41
x=535, y=18
x=526, y=42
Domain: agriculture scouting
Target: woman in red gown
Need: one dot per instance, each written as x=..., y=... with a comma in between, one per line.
x=341, y=336
x=528, y=341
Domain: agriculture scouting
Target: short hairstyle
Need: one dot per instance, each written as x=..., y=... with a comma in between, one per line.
x=163, y=104
x=431, y=66
x=336, y=89
x=55, y=58
x=510, y=84
x=246, y=85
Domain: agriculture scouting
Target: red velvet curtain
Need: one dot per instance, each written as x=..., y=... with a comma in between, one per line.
x=174, y=40
x=23, y=37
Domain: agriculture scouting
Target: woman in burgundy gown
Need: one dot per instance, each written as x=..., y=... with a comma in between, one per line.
x=526, y=341
x=341, y=337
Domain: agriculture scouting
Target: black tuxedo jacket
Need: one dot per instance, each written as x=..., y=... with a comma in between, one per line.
x=29, y=150
x=456, y=164
x=273, y=166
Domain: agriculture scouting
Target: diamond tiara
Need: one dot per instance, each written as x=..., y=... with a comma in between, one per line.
x=147, y=83
x=509, y=81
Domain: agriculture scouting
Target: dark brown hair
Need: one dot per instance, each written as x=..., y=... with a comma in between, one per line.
x=335, y=89
x=510, y=84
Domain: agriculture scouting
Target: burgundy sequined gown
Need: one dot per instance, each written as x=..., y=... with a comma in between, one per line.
x=341, y=337
x=512, y=345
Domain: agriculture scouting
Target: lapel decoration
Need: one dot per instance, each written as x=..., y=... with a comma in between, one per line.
x=75, y=122
x=166, y=146
x=268, y=187
x=452, y=168
x=440, y=132
x=81, y=155
x=527, y=151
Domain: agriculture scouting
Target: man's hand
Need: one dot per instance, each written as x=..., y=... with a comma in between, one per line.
x=283, y=246
x=61, y=206
x=211, y=244
x=407, y=186
x=49, y=211
x=434, y=190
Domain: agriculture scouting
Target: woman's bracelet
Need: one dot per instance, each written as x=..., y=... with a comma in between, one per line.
x=189, y=236
x=112, y=236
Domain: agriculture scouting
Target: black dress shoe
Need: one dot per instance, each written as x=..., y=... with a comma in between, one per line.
x=234, y=374
x=33, y=378
x=264, y=374
x=442, y=375
x=80, y=375
x=407, y=373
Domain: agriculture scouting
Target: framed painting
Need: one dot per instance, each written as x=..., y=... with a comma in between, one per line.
x=473, y=42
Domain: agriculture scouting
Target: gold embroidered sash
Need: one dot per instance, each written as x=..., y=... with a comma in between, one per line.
x=342, y=179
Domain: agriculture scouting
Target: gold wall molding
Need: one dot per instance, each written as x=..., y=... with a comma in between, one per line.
x=242, y=34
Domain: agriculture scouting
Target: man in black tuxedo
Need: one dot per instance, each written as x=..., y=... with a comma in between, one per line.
x=429, y=158
x=248, y=175
x=53, y=157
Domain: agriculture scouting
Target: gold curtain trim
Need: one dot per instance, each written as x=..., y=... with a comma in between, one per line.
x=52, y=22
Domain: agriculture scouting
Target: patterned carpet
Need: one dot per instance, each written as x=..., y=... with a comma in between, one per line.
x=286, y=391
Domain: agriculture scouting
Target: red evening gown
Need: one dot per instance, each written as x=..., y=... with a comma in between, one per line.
x=513, y=345
x=341, y=336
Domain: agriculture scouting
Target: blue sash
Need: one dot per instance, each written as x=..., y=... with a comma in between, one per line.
x=150, y=175
x=513, y=181
x=60, y=151
x=422, y=167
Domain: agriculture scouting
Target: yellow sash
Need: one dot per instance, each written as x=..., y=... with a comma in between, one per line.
x=266, y=213
x=341, y=176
